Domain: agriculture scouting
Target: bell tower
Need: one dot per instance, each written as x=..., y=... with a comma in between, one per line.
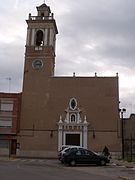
x=38, y=73
x=40, y=46
x=39, y=67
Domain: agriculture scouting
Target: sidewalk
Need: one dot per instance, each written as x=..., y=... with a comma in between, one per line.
x=123, y=163
x=55, y=162
x=50, y=162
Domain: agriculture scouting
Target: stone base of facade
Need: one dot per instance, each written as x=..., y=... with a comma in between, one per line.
x=37, y=154
x=116, y=155
x=53, y=154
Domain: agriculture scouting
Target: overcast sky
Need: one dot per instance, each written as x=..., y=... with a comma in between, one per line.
x=94, y=36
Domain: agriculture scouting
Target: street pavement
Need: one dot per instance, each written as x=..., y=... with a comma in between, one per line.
x=114, y=170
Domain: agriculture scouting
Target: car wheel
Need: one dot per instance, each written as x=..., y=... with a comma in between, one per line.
x=102, y=163
x=72, y=163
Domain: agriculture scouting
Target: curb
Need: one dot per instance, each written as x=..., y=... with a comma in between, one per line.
x=124, y=178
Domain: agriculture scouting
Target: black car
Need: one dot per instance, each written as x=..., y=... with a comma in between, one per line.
x=67, y=150
x=83, y=156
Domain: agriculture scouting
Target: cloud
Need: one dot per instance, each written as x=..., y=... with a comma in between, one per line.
x=94, y=36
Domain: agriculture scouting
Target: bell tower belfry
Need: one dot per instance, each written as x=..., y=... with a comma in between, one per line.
x=40, y=45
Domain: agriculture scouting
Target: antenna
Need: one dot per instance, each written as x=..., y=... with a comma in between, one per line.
x=9, y=79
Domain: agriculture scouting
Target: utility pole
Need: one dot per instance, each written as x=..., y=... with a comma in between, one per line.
x=122, y=130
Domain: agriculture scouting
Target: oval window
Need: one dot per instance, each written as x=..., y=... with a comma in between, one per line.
x=73, y=103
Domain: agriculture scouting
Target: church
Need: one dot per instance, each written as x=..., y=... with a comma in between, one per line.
x=57, y=111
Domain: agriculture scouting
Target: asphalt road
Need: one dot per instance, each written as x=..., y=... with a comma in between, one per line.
x=52, y=169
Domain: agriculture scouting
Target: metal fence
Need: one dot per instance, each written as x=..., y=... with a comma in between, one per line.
x=129, y=149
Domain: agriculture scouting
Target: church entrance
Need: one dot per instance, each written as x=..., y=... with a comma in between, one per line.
x=72, y=129
x=72, y=139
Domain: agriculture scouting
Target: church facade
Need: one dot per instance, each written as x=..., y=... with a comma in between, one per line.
x=58, y=111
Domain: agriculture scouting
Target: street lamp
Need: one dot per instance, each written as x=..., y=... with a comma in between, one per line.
x=122, y=129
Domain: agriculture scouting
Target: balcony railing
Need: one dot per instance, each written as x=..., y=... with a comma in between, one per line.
x=33, y=18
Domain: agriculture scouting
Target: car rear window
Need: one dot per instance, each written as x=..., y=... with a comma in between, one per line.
x=66, y=150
